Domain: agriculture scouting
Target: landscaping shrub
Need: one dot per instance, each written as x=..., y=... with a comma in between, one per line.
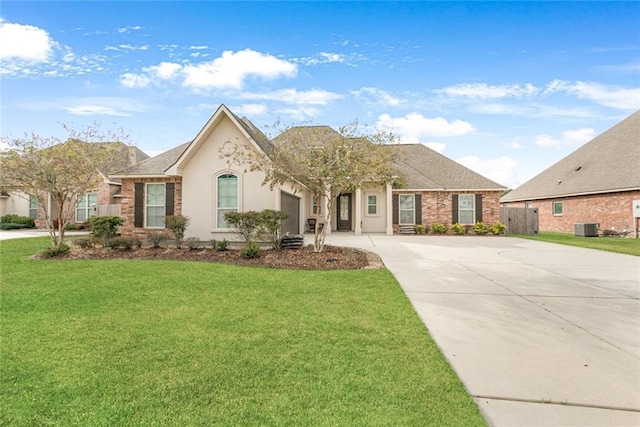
x=438, y=228
x=480, y=228
x=52, y=252
x=23, y=221
x=84, y=243
x=497, y=228
x=156, y=239
x=269, y=225
x=221, y=245
x=421, y=229
x=70, y=226
x=125, y=243
x=250, y=251
x=458, y=228
x=105, y=227
x=177, y=224
x=244, y=223
x=11, y=226
x=192, y=243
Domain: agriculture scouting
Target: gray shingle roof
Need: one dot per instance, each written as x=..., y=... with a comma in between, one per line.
x=425, y=169
x=155, y=165
x=609, y=162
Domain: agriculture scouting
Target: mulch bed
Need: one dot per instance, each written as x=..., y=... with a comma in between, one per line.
x=333, y=257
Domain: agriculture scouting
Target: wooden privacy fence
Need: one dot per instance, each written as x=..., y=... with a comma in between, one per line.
x=520, y=220
x=111, y=210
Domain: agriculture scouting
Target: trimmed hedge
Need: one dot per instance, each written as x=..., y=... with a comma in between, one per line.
x=22, y=221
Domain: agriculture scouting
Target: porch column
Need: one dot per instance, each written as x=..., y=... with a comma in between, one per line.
x=358, y=216
x=389, y=205
x=325, y=209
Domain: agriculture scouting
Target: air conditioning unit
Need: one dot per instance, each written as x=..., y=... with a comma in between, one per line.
x=586, y=230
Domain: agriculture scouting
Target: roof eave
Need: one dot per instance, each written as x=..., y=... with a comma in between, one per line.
x=584, y=193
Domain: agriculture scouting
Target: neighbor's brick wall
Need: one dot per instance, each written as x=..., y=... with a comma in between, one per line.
x=127, y=204
x=612, y=210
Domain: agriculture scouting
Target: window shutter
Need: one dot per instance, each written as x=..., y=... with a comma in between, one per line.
x=454, y=209
x=478, y=207
x=169, y=197
x=394, y=207
x=418, y=207
x=138, y=204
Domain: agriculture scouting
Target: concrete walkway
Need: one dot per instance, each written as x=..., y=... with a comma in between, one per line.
x=540, y=334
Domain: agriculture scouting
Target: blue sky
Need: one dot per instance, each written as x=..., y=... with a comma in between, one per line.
x=505, y=88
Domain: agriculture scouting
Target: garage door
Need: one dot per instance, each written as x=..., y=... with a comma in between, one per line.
x=291, y=205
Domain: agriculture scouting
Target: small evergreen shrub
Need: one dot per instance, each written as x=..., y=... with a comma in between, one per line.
x=23, y=221
x=177, y=224
x=105, y=227
x=480, y=228
x=52, y=252
x=421, y=229
x=70, y=226
x=438, y=228
x=156, y=239
x=11, y=226
x=497, y=228
x=84, y=243
x=125, y=243
x=222, y=245
x=250, y=251
x=458, y=228
x=192, y=243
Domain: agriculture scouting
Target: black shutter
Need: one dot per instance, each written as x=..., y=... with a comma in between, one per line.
x=169, y=197
x=394, y=207
x=478, y=207
x=454, y=209
x=418, y=202
x=138, y=204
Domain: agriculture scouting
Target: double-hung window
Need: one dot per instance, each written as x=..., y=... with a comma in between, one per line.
x=155, y=205
x=33, y=208
x=372, y=204
x=407, y=203
x=557, y=208
x=84, y=207
x=466, y=209
x=227, y=186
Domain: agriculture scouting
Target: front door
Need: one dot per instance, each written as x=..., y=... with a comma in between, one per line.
x=344, y=212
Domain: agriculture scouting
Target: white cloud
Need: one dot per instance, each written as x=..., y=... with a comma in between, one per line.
x=101, y=106
x=134, y=80
x=414, y=126
x=607, y=95
x=436, y=146
x=330, y=58
x=164, y=70
x=569, y=138
x=94, y=110
x=502, y=170
x=25, y=42
x=378, y=95
x=485, y=91
x=232, y=69
x=251, y=109
x=198, y=47
x=293, y=96
x=129, y=29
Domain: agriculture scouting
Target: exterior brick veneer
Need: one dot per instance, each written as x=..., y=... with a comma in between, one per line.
x=610, y=210
x=127, y=204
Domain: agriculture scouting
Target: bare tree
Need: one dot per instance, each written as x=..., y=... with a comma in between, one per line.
x=324, y=162
x=50, y=170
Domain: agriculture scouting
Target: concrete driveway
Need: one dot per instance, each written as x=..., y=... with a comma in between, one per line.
x=540, y=334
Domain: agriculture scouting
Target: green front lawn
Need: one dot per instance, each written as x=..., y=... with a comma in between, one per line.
x=612, y=244
x=118, y=343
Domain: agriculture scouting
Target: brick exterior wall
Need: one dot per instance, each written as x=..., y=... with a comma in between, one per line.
x=610, y=210
x=437, y=206
x=128, y=209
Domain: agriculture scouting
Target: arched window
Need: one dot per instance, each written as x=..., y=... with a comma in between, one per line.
x=227, y=186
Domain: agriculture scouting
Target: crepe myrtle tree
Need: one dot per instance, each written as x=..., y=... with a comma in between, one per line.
x=324, y=162
x=57, y=171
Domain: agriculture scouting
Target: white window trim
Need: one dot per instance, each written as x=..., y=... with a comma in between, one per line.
x=377, y=205
x=146, y=195
x=413, y=210
x=473, y=210
x=553, y=208
x=217, y=175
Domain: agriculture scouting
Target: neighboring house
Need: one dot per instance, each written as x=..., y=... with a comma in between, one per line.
x=102, y=200
x=595, y=184
x=200, y=180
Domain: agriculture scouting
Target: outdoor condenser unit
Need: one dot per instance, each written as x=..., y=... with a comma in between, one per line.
x=586, y=230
